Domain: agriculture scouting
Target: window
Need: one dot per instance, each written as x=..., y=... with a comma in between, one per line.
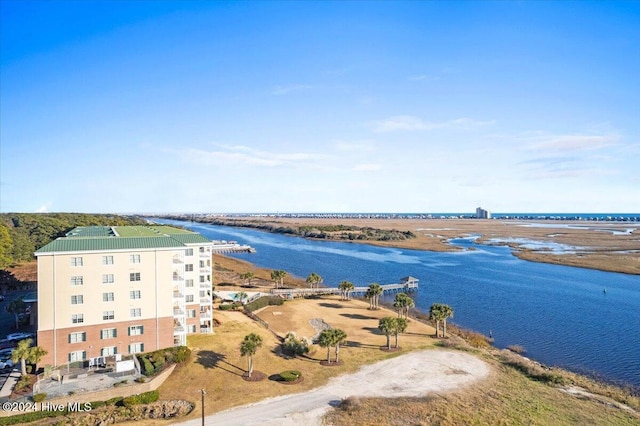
x=77, y=299
x=76, y=261
x=107, y=279
x=108, y=351
x=108, y=315
x=136, y=312
x=78, y=337
x=77, y=356
x=135, y=294
x=188, y=298
x=202, y=278
x=134, y=258
x=136, y=330
x=77, y=318
x=191, y=313
x=108, y=333
x=189, y=252
x=107, y=260
x=76, y=281
x=188, y=283
x=202, y=263
x=188, y=267
x=107, y=297
x=134, y=276
x=135, y=348
x=191, y=328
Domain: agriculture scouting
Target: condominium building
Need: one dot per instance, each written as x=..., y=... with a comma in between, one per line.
x=120, y=290
x=482, y=213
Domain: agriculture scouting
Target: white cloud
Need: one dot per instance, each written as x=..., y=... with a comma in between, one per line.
x=286, y=89
x=412, y=123
x=569, y=143
x=44, y=208
x=239, y=154
x=356, y=146
x=367, y=167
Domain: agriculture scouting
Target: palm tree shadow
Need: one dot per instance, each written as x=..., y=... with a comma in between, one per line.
x=210, y=359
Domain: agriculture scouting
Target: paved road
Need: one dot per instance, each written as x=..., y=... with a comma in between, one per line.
x=413, y=374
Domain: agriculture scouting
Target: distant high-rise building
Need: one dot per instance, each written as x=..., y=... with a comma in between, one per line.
x=120, y=290
x=482, y=213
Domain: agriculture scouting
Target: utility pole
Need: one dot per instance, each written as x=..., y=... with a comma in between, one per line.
x=203, y=394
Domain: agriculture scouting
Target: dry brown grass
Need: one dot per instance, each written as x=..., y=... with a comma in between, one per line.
x=217, y=366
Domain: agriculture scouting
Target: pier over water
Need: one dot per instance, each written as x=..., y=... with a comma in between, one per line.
x=406, y=285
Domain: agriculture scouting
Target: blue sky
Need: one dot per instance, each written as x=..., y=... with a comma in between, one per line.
x=145, y=106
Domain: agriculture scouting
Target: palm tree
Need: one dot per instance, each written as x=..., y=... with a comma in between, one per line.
x=314, y=279
x=339, y=337
x=241, y=295
x=400, y=326
x=325, y=340
x=375, y=291
x=447, y=313
x=35, y=355
x=16, y=307
x=346, y=287
x=249, y=347
x=278, y=276
x=386, y=325
x=440, y=312
x=403, y=303
x=21, y=353
x=247, y=276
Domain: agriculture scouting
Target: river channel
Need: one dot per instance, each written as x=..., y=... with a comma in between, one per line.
x=580, y=319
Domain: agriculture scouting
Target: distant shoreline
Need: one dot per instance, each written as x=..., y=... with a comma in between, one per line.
x=600, y=245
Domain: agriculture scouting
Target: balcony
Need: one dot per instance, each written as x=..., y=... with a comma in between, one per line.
x=206, y=285
x=206, y=253
x=205, y=315
x=205, y=300
x=206, y=330
x=177, y=260
x=177, y=277
x=178, y=294
x=178, y=312
x=179, y=329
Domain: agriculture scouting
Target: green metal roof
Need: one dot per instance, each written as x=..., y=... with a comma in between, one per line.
x=102, y=238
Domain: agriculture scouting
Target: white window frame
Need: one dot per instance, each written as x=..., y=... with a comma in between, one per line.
x=135, y=312
x=76, y=261
x=188, y=298
x=77, y=356
x=108, y=351
x=108, y=315
x=77, y=318
x=108, y=333
x=107, y=260
x=134, y=258
x=108, y=296
x=188, y=283
x=135, y=348
x=136, y=330
x=188, y=252
x=78, y=337
x=77, y=280
x=77, y=299
x=108, y=279
x=134, y=277
x=188, y=267
x=135, y=294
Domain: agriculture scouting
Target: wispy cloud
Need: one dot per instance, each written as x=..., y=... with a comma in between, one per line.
x=367, y=167
x=44, y=208
x=290, y=88
x=356, y=146
x=571, y=143
x=413, y=123
x=240, y=154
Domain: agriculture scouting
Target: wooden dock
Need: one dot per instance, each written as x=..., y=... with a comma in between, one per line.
x=406, y=285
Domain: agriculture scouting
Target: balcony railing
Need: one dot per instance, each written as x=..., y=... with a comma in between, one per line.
x=178, y=311
x=206, y=284
x=205, y=300
x=178, y=329
x=205, y=315
x=206, y=330
x=178, y=295
x=178, y=278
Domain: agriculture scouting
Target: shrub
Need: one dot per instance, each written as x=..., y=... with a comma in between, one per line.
x=143, y=398
x=294, y=345
x=516, y=349
x=226, y=307
x=290, y=375
x=141, y=379
x=148, y=367
x=23, y=382
x=39, y=397
x=262, y=302
x=350, y=404
x=181, y=354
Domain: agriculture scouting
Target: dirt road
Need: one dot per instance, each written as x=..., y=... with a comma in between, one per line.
x=413, y=374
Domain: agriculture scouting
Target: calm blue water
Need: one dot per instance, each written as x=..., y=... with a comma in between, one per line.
x=559, y=314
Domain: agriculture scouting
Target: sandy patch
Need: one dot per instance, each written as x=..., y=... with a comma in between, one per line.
x=414, y=374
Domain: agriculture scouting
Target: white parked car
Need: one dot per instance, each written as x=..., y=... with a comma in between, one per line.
x=6, y=364
x=19, y=336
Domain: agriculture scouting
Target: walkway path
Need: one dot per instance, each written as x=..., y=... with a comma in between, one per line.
x=414, y=374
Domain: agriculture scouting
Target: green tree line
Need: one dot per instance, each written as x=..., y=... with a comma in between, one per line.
x=23, y=233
